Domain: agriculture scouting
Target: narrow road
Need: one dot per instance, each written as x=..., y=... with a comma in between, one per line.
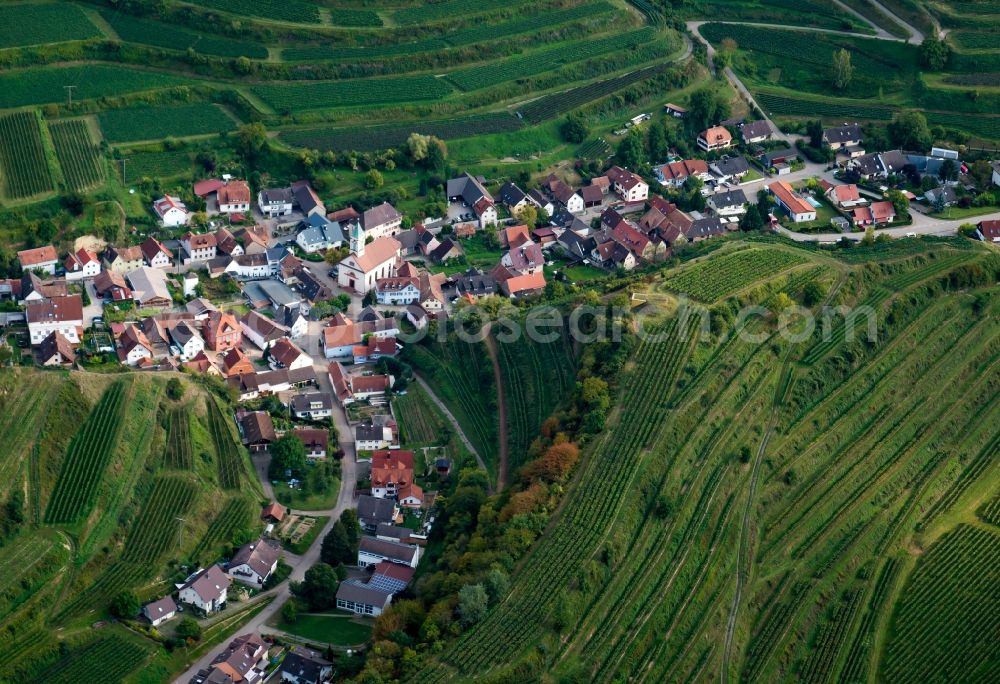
x=491, y=347
x=916, y=36
x=451, y=419
x=879, y=31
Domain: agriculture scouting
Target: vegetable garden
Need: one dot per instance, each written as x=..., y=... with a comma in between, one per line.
x=22, y=156
x=79, y=157
x=88, y=457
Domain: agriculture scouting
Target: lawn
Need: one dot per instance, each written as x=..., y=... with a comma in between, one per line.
x=577, y=273
x=952, y=213
x=340, y=629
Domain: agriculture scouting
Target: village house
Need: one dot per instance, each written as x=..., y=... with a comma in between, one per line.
x=34, y=287
x=275, y=202
x=63, y=315
x=374, y=434
x=315, y=441
x=730, y=169
x=715, y=138
x=513, y=198
x=877, y=214
x=233, y=197
x=845, y=136
x=307, y=200
x=383, y=220
x=226, y=243
x=318, y=233
x=253, y=563
x=273, y=512
x=362, y=599
x=312, y=405
x=303, y=666
x=206, y=590
x=198, y=247
x=392, y=471
x=222, y=331
x=123, y=259
x=674, y=174
x=368, y=263
x=244, y=660
x=159, y=611
x=187, y=341
x=629, y=186
x=258, y=430
x=155, y=254
x=472, y=193
x=149, y=287
x=285, y=354
x=731, y=203
x=134, y=347
x=235, y=362
x=564, y=195
x=988, y=231
x=526, y=285
x=756, y=131
x=397, y=291
x=797, y=208
x=373, y=512
x=202, y=365
x=43, y=259
x=261, y=330
x=374, y=349
x=845, y=196
x=56, y=350
x=373, y=551
x=351, y=388
x=81, y=264
x=171, y=211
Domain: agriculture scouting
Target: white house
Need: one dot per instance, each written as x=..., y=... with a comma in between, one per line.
x=381, y=221
x=285, y=354
x=159, y=611
x=731, y=203
x=187, y=340
x=206, y=590
x=397, y=291
x=312, y=405
x=298, y=325
x=275, y=202
x=368, y=263
x=629, y=186
x=302, y=666
x=254, y=563
x=233, y=197
x=359, y=598
x=171, y=211
x=199, y=246
x=370, y=436
x=39, y=259
x=155, y=254
x=62, y=314
x=81, y=265
x=798, y=209
x=261, y=330
x=133, y=346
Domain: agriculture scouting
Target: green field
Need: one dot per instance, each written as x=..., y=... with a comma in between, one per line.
x=44, y=85
x=351, y=93
x=78, y=156
x=36, y=24
x=148, y=32
x=23, y=164
x=340, y=629
x=420, y=421
x=721, y=276
x=815, y=530
x=155, y=123
x=163, y=164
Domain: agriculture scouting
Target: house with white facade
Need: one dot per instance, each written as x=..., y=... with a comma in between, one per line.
x=383, y=220
x=155, y=254
x=254, y=563
x=81, y=265
x=285, y=354
x=397, y=291
x=629, y=186
x=731, y=203
x=206, y=590
x=368, y=263
x=63, y=315
x=187, y=340
x=275, y=202
x=171, y=211
x=199, y=246
x=160, y=611
x=44, y=259
x=360, y=598
x=312, y=405
x=133, y=346
x=372, y=551
x=233, y=197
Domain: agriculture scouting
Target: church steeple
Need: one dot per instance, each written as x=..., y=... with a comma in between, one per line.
x=357, y=240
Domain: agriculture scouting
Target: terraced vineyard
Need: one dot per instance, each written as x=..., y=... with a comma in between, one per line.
x=179, y=449
x=235, y=515
x=635, y=577
x=148, y=32
x=719, y=277
x=44, y=23
x=154, y=532
x=89, y=454
x=420, y=422
x=154, y=123
x=108, y=659
x=44, y=85
x=79, y=157
x=23, y=166
x=228, y=452
x=354, y=93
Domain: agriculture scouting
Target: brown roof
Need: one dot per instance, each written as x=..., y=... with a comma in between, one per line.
x=784, y=192
x=235, y=362
x=716, y=135
x=257, y=427
x=128, y=253
x=524, y=283
x=346, y=214
x=369, y=383
x=207, y=187
x=380, y=215
x=55, y=310
x=234, y=192
x=210, y=583
x=38, y=255
x=259, y=555
x=54, y=344
x=313, y=438
x=284, y=352
x=273, y=510
x=199, y=240
x=151, y=247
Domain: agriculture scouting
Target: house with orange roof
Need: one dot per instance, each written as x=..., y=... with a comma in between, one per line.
x=845, y=196
x=797, y=208
x=222, y=331
x=39, y=259
x=392, y=469
x=235, y=362
x=715, y=138
x=234, y=196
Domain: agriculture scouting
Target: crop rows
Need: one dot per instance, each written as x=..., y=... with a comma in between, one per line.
x=594, y=149
x=990, y=511
x=153, y=533
x=767, y=636
x=969, y=475
x=178, y=453
x=946, y=615
x=551, y=58
x=134, y=29
x=227, y=451
x=779, y=105
x=418, y=418
x=984, y=126
x=155, y=123
x=25, y=564
x=22, y=156
x=714, y=279
x=117, y=577
x=556, y=104
x=831, y=637
x=367, y=138
x=109, y=659
x=975, y=40
x=157, y=164
x=87, y=458
x=235, y=515
x=297, y=11
x=78, y=155
x=856, y=665
x=534, y=22
x=425, y=13
x=510, y=626
x=351, y=93
x=44, y=85
x=37, y=24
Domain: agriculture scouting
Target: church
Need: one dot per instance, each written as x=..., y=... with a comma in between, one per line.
x=367, y=263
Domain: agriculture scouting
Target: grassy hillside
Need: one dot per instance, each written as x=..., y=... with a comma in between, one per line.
x=119, y=489
x=759, y=509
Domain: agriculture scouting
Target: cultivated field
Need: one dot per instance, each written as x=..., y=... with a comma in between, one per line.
x=79, y=157
x=754, y=508
x=23, y=165
x=156, y=123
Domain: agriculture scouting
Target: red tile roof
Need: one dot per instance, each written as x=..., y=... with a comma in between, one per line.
x=38, y=255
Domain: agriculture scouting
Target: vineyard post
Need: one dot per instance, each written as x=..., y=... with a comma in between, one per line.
x=69, y=95
x=124, y=182
x=180, y=533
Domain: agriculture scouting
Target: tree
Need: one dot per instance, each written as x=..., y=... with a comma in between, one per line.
x=899, y=202
x=472, y=604
x=631, y=150
x=934, y=53
x=251, y=139
x=437, y=154
x=416, y=146
x=658, y=141
x=188, y=628
x=175, y=390
x=982, y=174
x=374, y=179
x=125, y=605
x=496, y=583
x=814, y=129
x=337, y=548
x=289, y=612
x=574, y=128
x=319, y=588
x=350, y=520
x=287, y=454
x=528, y=215
x=813, y=293
x=843, y=70
x=909, y=131
x=708, y=106
x=752, y=220
x=948, y=170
